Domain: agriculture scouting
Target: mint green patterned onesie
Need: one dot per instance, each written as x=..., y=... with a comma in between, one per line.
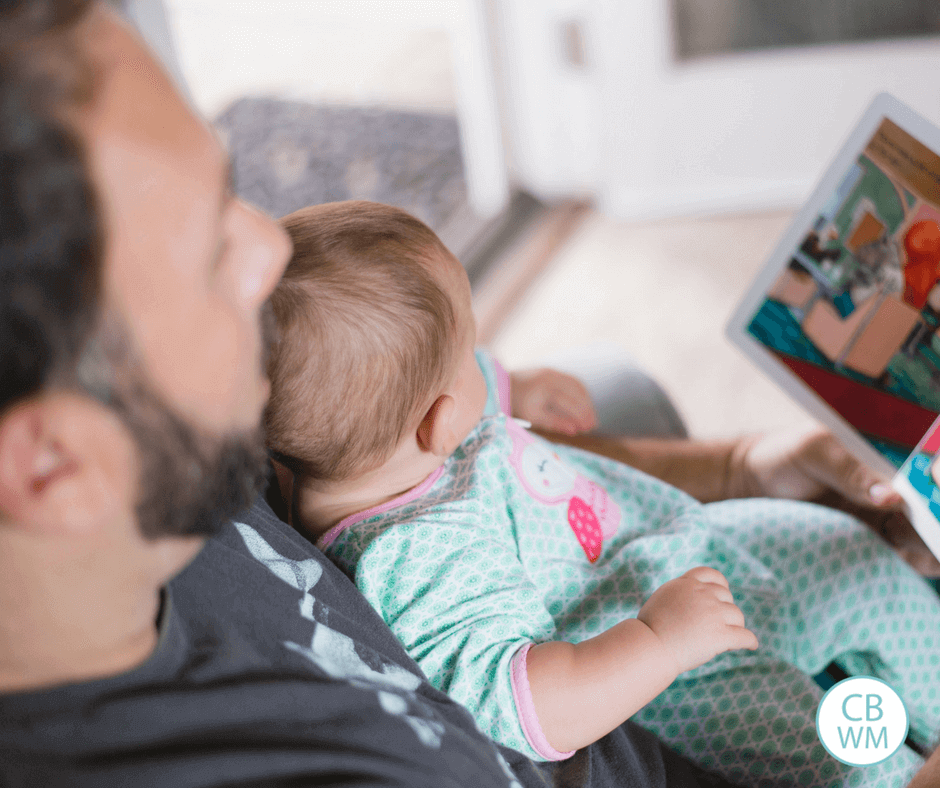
x=515, y=541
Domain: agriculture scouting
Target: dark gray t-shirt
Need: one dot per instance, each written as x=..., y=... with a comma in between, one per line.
x=271, y=670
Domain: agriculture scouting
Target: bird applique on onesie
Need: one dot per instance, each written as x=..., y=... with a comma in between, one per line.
x=590, y=511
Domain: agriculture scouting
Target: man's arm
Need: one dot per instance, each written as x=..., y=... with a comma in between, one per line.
x=929, y=775
x=806, y=465
x=702, y=469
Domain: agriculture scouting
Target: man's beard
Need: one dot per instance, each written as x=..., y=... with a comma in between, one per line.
x=191, y=483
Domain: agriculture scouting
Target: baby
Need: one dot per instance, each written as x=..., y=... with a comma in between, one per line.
x=554, y=592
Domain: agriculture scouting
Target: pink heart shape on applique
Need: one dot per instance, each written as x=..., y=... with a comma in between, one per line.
x=586, y=528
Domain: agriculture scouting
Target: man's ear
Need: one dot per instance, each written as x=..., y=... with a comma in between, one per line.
x=435, y=432
x=60, y=465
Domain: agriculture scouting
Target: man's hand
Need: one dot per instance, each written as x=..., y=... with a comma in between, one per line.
x=695, y=618
x=551, y=400
x=929, y=775
x=811, y=465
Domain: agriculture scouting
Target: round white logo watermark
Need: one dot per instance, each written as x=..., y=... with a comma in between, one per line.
x=861, y=721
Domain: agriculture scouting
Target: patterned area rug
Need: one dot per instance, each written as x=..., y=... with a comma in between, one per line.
x=288, y=155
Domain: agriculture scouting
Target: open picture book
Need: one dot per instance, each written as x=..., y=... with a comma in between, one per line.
x=845, y=316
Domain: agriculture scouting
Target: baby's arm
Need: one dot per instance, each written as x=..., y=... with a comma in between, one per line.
x=583, y=691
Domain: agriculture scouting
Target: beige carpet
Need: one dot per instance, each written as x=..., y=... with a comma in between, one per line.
x=663, y=291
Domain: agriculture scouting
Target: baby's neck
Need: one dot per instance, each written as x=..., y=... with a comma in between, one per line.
x=320, y=507
x=318, y=510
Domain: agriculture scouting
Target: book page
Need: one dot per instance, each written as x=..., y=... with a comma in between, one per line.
x=845, y=316
x=855, y=311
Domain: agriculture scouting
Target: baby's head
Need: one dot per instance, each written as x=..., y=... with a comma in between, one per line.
x=375, y=347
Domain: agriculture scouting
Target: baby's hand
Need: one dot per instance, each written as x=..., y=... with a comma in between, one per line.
x=551, y=400
x=695, y=618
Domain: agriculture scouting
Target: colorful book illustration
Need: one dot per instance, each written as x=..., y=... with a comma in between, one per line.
x=846, y=314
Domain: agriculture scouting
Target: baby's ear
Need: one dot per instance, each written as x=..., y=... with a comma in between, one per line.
x=435, y=432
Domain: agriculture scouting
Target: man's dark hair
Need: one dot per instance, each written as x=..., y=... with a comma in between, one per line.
x=50, y=235
x=54, y=328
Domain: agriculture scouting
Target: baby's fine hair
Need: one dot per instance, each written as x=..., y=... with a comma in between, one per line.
x=366, y=335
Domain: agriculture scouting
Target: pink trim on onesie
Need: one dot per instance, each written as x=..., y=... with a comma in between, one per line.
x=502, y=388
x=329, y=537
x=522, y=695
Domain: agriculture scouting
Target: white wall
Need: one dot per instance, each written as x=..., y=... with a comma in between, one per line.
x=651, y=137
x=365, y=52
